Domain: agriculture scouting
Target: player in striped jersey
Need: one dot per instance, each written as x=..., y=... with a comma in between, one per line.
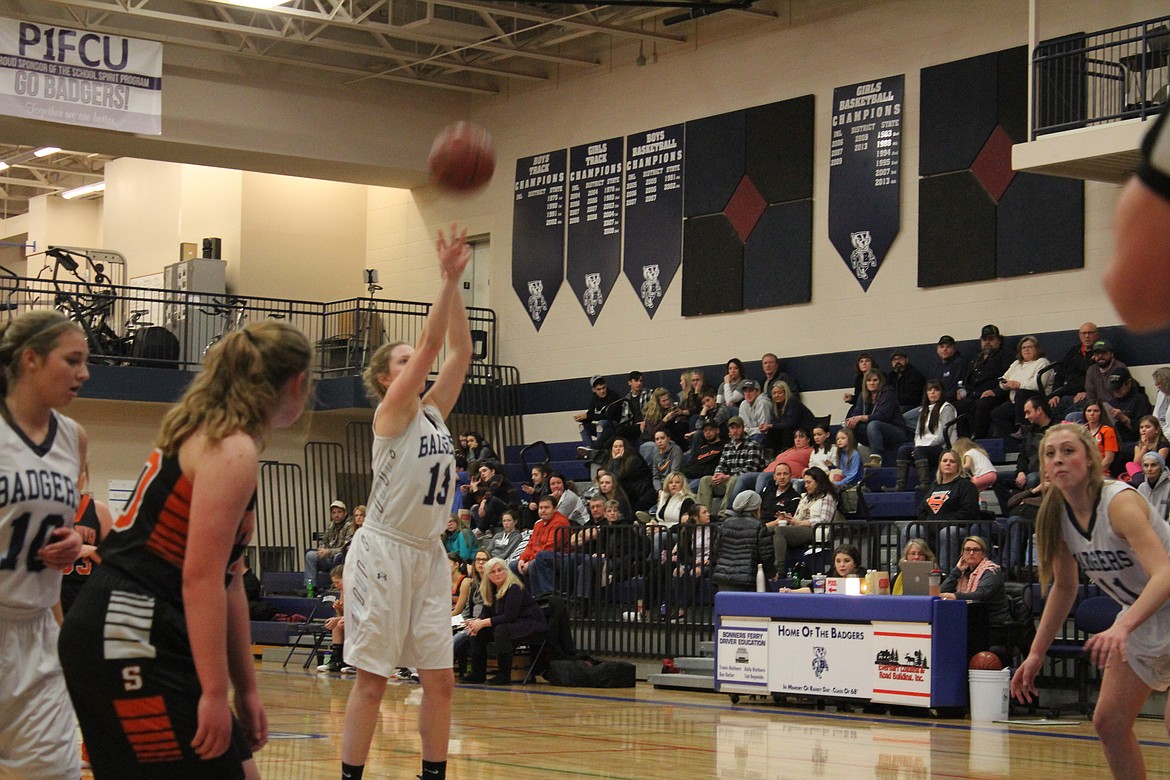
x=160, y=635
x=1113, y=534
x=42, y=368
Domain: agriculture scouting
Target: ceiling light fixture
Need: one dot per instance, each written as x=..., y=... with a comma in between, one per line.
x=45, y=151
x=81, y=192
x=3, y=165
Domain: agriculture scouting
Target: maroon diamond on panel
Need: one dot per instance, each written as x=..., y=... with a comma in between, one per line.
x=993, y=166
x=745, y=208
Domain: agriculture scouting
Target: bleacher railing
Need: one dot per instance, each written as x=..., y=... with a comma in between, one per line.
x=1088, y=79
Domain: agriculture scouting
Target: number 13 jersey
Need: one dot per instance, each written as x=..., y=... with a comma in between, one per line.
x=414, y=474
x=38, y=494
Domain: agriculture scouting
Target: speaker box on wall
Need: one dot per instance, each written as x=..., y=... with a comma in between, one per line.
x=211, y=249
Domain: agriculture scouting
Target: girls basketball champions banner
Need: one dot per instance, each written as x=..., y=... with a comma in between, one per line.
x=865, y=164
x=76, y=77
x=538, y=232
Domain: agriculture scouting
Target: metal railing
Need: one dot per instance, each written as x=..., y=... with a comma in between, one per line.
x=1094, y=78
x=173, y=329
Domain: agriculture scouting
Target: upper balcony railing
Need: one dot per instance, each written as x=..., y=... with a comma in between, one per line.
x=139, y=326
x=1088, y=79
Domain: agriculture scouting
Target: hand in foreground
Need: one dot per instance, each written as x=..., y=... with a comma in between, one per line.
x=253, y=719
x=214, y=732
x=63, y=550
x=1024, y=680
x=1108, y=647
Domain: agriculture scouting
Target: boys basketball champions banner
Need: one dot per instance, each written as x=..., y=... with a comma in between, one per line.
x=654, y=206
x=865, y=164
x=76, y=77
x=538, y=232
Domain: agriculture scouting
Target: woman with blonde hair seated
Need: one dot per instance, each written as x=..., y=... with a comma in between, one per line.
x=509, y=615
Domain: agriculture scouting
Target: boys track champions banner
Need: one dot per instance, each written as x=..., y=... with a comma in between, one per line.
x=865, y=164
x=76, y=77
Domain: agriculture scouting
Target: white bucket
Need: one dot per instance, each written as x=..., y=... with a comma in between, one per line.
x=990, y=691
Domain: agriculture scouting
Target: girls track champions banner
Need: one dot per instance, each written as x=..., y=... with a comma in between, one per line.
x=75, y=77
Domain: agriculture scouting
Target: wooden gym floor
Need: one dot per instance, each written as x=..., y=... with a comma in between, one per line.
x=541, y=731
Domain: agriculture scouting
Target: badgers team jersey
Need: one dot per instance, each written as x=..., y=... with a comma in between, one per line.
x=38, y=494
x=1105, y=557
x=148, y=541
x=414, y=476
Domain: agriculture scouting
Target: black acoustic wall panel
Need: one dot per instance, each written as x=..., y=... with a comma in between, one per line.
x=1040, y=226
x=775, y=265
x=712, y=266
x=958, y=113
x=1012, y=90
x=780, y=149
x=713, y=164
x=956, y=230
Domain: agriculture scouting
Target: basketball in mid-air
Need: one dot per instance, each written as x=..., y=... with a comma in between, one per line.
x=985, y=659
x=463, y=158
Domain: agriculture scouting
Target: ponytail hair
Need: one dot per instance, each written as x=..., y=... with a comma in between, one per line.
x=36, y=330
x=1052, y=508
x=240, y=384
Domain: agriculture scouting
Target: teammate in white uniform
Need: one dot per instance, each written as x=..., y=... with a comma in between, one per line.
x=397, y=583
x=42, y=357
x=1114, y=535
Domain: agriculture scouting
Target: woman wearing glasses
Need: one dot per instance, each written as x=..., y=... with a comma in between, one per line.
x=977, y=578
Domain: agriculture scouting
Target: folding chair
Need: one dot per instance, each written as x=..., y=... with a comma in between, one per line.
x=1092, y=616
x=312, y=629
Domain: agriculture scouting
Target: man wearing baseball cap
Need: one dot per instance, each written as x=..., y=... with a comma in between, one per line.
x=596, y=427
x=1097, y=377
x=318, y=562
x=950, y=368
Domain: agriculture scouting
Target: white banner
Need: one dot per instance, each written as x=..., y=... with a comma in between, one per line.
x=76, y=77
x=902, y=663
x=821, y=659
x=741, y=655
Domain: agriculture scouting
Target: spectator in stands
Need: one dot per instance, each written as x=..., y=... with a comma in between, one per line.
x=1127, y=405
x=824, y=450
x=929, y=439
x=532, y=491
x=459, y=540
x=979, y=579
x=359, y=519
x=335, y=625
x=864, y=364
x=460, y=585
x=609, y=489
x=633, y=474
x=472, y=610
x=770, y=366
x=550, y=536
x=703, y=461
x=1073, y=367
x=1162, y=400
x=1097, y=377
x=976, y=463
x=667, y=458
x=1150, y=439
x=916, y=549
x=1097, y=421
x=950, y=369
x=756, y=411
x=491, y=493
x=584, y=539
x=875, y=419
x=846, y=563
x=710, y=410
x=662, y=414
x=816, y=507
x=508, y=541
x=318, y=562
x=951, y=500
x=691, y=558
x=907, y=381
x=638, y=397
x=982, y=381
x=788, y=414
x=848, y=471
x=462, y=480
x=596, y=426
x=1028, y=461
x=692, y=398
x=740, y=455
x=569, y=503
x=742, y=546
x=795, y=457
x=510, y=615
x=674, y=500
x=1156, y=485
x=731, y=390
x=461, y=444
x=1020, y=382
x=478, y=448
x=779, y=497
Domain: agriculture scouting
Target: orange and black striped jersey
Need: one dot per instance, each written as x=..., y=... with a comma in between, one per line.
x=148, y=541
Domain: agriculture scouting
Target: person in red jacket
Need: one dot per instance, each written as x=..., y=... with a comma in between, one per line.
x=550, y=536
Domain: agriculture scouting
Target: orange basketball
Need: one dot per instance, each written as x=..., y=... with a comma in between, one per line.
x=985, y=659
x=463, y=158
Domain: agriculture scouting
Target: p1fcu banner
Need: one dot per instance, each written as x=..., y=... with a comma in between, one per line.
x=538, y=232
x=654, y=207
x=594, y=252
x=865, y=169
x=76, y=77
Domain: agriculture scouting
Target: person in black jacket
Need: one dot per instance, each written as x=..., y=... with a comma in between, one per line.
x=509, y=615
x=952, y=501
x=743, y=544
x=908, y=382
x=491, y=494
x=633, y=474
x=982, y=383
